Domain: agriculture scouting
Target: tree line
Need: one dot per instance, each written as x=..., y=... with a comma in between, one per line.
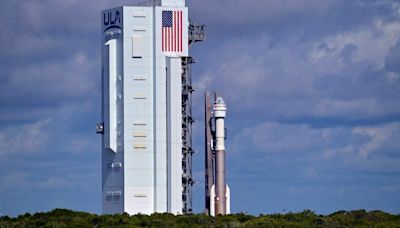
x=67, y=218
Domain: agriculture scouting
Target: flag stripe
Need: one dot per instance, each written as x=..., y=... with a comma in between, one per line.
x=174, y=38
x=172, y=30
x=175, y=29
x=180, y=31
x=169, y=39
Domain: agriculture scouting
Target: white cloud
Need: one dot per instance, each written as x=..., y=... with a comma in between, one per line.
x=377, y=137
x=353, y=143
x=339, y=76
x=274, y=138
x=373, y=43
x=52, y=80
x=239, y=13
x=25, y=139
x=82, y=144
x=25, y=180
x=352, y=109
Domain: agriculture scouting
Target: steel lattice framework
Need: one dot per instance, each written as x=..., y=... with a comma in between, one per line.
x=196, y=33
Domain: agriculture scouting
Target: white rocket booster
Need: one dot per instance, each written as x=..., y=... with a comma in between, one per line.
x=220, y=193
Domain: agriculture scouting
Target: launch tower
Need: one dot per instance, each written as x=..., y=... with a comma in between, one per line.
x=146, y=108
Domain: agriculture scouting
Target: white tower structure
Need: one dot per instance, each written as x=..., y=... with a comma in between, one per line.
x=146, y=115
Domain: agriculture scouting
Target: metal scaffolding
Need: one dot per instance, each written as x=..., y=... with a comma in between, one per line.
x=196, y=33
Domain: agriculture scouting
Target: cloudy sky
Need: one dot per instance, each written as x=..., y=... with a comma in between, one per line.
x=312, y=87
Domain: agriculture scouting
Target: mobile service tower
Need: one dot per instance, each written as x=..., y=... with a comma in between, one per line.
x=146, y=108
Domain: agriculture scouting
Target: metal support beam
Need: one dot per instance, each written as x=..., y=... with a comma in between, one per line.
x=196, y=33
x=187, y=121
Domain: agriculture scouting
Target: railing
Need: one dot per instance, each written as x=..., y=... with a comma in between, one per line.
x=196, y=33
x=150, y=3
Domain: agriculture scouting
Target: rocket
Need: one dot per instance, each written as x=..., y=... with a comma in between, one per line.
x=217, y=191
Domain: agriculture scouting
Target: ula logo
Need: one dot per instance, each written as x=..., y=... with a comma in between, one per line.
x=111, y=19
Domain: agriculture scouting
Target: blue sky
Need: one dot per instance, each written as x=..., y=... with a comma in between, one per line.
x=312, y=87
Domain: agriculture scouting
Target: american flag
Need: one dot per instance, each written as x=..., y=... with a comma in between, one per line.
x=172, y=30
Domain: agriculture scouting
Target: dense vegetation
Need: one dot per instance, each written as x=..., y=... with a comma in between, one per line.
x=67, y=218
